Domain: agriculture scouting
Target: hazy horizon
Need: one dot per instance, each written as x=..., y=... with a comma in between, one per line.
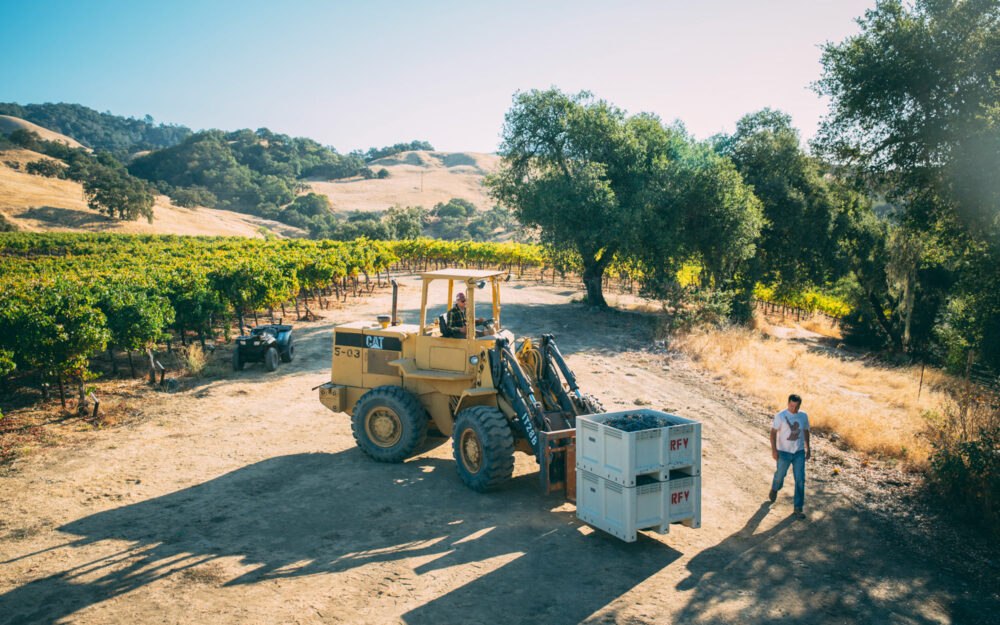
x=444, y=72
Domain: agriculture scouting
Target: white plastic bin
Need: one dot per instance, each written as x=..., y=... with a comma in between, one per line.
x=623, y=456
x=621, y=510
x=685, y=499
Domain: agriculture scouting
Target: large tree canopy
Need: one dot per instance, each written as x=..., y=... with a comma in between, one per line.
x=916, y=101
x=915, y=109
x=608, y=186
x=798, y=241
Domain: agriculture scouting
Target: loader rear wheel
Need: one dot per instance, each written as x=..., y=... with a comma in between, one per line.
x=389, y=423
x=483, y=446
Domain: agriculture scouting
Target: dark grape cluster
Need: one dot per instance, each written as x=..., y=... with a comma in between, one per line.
x=634, y=422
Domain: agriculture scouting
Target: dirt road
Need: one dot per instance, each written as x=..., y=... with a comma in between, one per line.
x=243, y=500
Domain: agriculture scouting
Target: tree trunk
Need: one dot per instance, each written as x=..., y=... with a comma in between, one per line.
x=114, y=363
x=593, y=279
x=239, y=316
x=882, y=321
x=62, y=393
x=152, y=364
x=908, y=297
x=130, y=363
x=81, y=404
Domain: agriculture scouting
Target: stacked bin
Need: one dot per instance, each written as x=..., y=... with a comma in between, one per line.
x=630, y=481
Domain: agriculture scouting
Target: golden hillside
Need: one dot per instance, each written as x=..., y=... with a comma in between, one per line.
x=38, y=204
x=9, y=124
x=416, y=178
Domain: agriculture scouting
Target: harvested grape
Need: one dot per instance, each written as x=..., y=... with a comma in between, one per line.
x=634, y=422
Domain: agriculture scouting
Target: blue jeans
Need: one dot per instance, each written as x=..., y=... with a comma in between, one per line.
x=798, y=463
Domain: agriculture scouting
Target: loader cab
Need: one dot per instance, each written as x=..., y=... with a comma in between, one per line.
x=482, y=292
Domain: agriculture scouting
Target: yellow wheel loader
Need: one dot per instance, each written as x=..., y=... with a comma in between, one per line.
x=489, y=394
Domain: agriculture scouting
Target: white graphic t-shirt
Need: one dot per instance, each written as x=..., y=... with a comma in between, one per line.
x=790, y=430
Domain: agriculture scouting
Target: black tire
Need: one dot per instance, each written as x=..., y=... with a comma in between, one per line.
x=289, y=354
x=483, y=446
x=237, y=360
x=271, y=359
x=389, y=423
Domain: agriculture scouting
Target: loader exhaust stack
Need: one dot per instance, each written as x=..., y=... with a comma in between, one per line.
x=395, y=302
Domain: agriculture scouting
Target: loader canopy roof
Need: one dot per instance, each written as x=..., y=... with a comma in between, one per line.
x=473, y=279
x=465, y=275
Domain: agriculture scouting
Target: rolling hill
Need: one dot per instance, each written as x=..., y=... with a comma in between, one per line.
x=9, y=124
x=38, y=204
x=416, y=178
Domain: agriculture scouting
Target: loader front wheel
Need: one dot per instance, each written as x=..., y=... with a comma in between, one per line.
x=483, y=446
x=389, y=423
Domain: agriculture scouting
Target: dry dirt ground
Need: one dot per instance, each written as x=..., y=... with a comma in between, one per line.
x=242, y=500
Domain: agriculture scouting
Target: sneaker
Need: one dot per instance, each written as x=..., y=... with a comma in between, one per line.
x=772, y=495
x=798, y=514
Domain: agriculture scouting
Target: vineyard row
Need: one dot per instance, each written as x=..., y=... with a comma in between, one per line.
x=65, y=297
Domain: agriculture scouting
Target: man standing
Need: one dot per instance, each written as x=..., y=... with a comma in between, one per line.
x=790, y=446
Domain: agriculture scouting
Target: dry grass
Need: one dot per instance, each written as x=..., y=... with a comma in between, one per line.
x=31, y=423
x=874, y=407
x=822, y=325
x=9, y=124
x=195, y=360
x=39, y=204
x=818, y=324
x=418, y=178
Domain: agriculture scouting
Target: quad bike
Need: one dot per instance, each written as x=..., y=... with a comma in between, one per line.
x=269, y=343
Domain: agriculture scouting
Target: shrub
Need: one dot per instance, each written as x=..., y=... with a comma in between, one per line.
x=192, y=197
x=455, y=208
x=382, y=174
x=45, y=167
x=700, y=308
x=119, y=195
x=965, y=463
x=195, y=360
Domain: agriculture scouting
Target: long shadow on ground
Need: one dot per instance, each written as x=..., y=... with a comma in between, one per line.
x=842, y=566
x=309, y=514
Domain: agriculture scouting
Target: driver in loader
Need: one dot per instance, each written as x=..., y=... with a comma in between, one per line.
x=456, y=317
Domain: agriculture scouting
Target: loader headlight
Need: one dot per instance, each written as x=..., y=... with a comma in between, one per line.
x=473, y=360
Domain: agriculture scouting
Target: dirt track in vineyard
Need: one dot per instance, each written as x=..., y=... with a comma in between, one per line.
x=243, y=500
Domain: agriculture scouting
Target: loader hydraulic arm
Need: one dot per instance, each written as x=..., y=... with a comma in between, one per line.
x=549, y=380
x=512, y=383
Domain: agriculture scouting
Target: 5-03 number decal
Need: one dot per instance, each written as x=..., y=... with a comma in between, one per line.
x=350, y=352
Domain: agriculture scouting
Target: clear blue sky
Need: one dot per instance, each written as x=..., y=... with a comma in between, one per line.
x=363, y=73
